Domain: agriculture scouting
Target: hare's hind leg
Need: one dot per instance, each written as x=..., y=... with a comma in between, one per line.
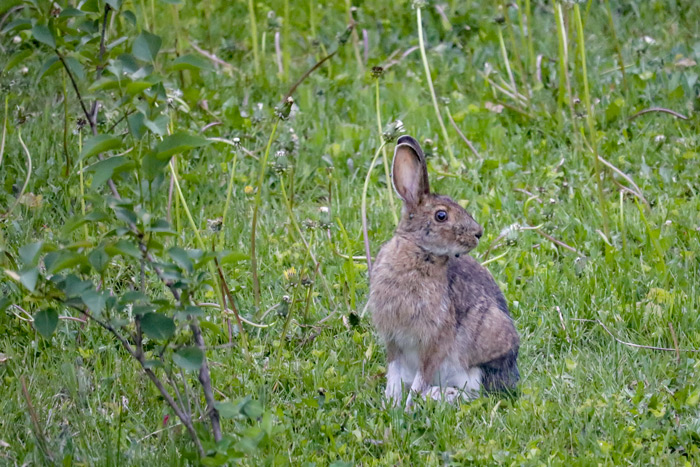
x=501, y=374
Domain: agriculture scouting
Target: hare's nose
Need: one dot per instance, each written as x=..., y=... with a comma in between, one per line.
x=479, y=233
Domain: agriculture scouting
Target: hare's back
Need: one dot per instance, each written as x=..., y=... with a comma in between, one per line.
x=485, y=329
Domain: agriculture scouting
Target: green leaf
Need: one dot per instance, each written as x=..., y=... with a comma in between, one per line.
x=29, y=252
x=16, y=59
x=125, y=215
x=161, y=226
x=50, y=65
x=178, y=143
x=252, y=409
x=44, y=35
x=75, y=67
x=189, y=358
x=126, y=248
x=17, y=25
x=29, y=277
x=181, y=258
x=104, y=84
x=191, y=62
x=71, y=12
x=227, y=409
x=104, y=170
x=136, y=126
x=159, y=126
x=146, y=46
x=57, y=261
x=157, y=326
x=94, y=300
x=137, y=87
x=98, y=144
x=45, y=322
x=115, y=4
x=233, y=257
x=98, y=259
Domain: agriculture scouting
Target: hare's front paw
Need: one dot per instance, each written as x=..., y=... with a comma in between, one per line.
x=448, y=394
x=393, y=394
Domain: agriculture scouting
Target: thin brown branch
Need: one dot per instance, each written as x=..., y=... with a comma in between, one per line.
x=205, y=380
x=555, y=241
x=306, y=75
x=232, y=305
x=36, y=426
x=216, y=60
x=391, y=62
x=631, y=344
x=658, y=109
x=563, y=325
x=675, y=342
x=100, y=65
x=461, y=135
x=77, y=92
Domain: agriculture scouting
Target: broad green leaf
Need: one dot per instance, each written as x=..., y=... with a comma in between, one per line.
x=28, y=277
x=45, y=322
x=227, y=409
x=252, y=409
x=189, y=358
x=161, y=226
x=44, y=35
x=146, y=46
x=98, y=259
x=29, y=252
x=136, y=126
x=181, y=258
x=115, y=4
x=157, y=326
x=172, y=2
x=159, y=126
x=75, y=67
x=233, y=257
x=126, y=248
x=104, y=170
x=71, y=12
x=50, y=65
x=17, y=25
x=135, y=87
x=178, y=143
x=98, y=144
x=58, y=261
x=104, y=84
x=16, y=59
x=125, y=215
x=94, y=300
x=129, y=16
x=191, y=62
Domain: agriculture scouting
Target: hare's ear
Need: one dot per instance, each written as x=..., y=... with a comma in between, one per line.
x=409, y=172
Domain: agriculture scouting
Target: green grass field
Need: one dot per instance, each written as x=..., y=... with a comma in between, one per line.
x=574, y=257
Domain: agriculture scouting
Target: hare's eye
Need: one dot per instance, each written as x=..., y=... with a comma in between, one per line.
x=441, y=215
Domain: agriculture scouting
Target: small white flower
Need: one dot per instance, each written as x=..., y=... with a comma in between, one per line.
x=649, y=40
x=16, y=40
x=324, y=209
x=659, y=138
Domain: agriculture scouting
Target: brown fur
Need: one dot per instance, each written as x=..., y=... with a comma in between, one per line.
x=426, y=293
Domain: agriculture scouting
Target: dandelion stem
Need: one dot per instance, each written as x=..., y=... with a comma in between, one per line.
x=453, y=160
x=365, y=234
x=256, y=208
x=384, y=156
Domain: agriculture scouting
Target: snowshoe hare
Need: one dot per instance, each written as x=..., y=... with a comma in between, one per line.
x=442, y=317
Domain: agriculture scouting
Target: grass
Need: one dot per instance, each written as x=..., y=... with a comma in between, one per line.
x=315, y=377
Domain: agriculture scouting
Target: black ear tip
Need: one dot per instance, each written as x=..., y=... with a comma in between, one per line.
x=410, y=140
